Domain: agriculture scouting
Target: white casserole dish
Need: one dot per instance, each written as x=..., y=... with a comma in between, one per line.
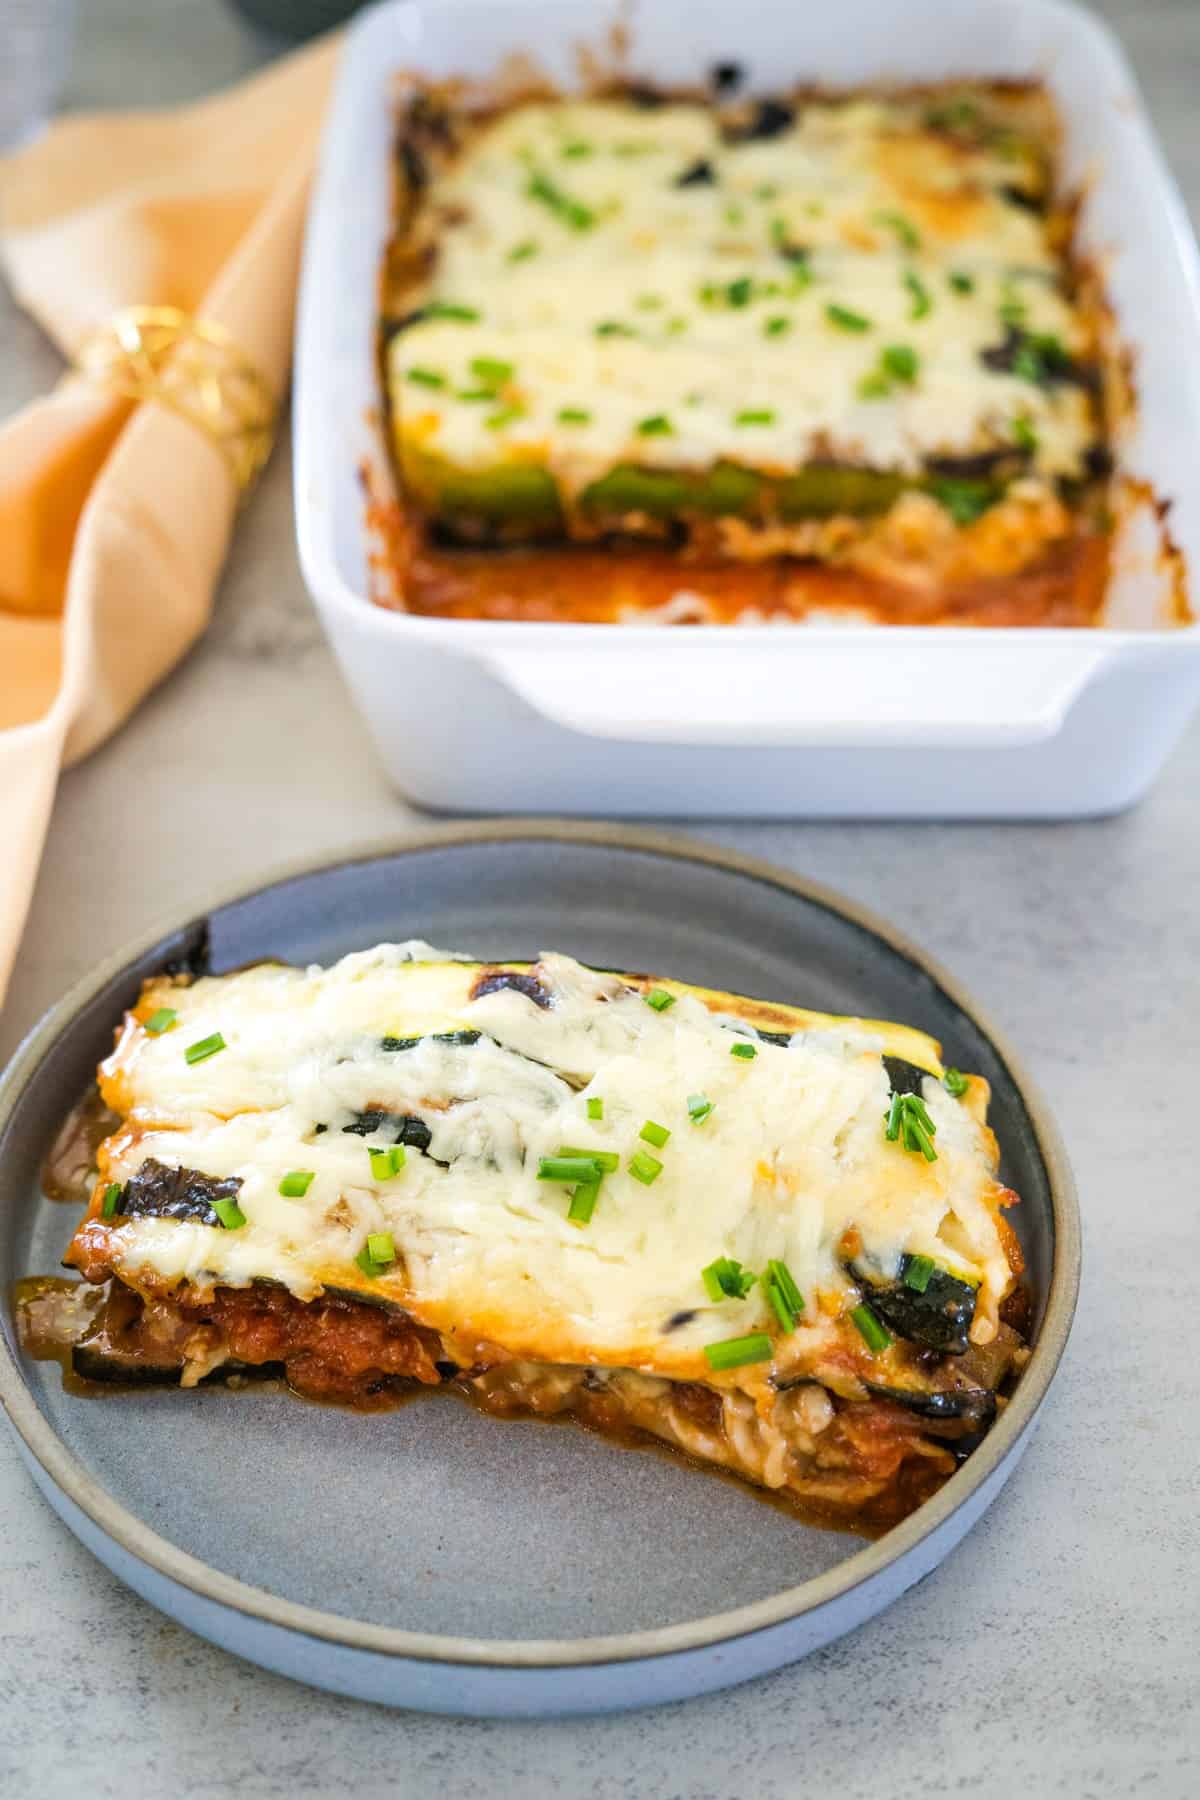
x=827, y=720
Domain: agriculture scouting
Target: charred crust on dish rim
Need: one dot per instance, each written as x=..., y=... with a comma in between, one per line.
x=144, y=1545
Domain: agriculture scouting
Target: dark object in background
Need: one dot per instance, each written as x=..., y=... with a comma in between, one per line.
x=296, y=19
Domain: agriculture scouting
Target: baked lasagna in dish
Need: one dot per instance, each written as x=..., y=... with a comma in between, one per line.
x=703, y=358
x=772, y=1239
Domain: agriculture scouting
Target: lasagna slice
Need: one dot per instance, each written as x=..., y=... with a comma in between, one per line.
x=770, y=1238
x=841, y=331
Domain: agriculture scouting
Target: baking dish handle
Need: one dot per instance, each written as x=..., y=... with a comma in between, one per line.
x=885, y=687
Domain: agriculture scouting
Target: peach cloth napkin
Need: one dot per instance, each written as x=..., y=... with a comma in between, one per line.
x=115, y=516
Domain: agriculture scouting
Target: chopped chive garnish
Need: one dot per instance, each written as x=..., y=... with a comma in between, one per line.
x=585, y=1168
x=595, y=1107
x=296, y=1183
x=776, y=326
x=874, y=385
x=732, y=1353
x=726, y=1279
x=918, y=1137
x=1024, y=436
x=522, y=252
x=451, y=309
x=786, y=1299
x=112, y=1195
x=965, y=501
x=573, y=213
x=900, y=361
x=606, y=1160
x=491, y=370
x=907, y=1119
x=161, y=1021
x=1012, y=305
x=921, y=302
x=498, y=420
x=386, y=1163
x=891, y=1128
x=644, y=1167
x=699, y=1106
x=675, y=326
x=740, y=292
x=204, y=1048
x=844, y=319
x=425, y=378
x=381, y=1247
x=583, y=1202
x=870, y=1330
x=653, y=1133
x=577, y=150
x=753, y=416
x=905, y=230
x=955, y=1082
x=483, y=396
x=574, y=415
x=961, y=282
x=614, y=328
x=917, y=1270
x=744, y=1050
x=657, y=425
x=366, y=1262
x=230, y=1214
x=659, y=999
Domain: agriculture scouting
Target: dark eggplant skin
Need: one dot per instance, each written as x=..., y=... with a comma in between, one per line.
x=463, y=1038
x=940, y=1318
x=697, y=174
x=496, y=981
x=406, y=1128
x=904, y=1077
x=159, y=1192
x=978, y=1405
x=196, y=957
x=770, y=118
x=726, y=77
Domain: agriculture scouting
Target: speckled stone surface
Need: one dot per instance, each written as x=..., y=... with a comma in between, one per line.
x=1057, y=1652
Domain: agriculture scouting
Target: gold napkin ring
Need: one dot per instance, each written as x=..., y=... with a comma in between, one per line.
x=195, y=368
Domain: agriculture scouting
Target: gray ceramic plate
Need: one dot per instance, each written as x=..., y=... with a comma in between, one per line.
x=432, y=1557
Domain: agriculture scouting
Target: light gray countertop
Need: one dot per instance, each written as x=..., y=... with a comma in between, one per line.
x=1058, y=1650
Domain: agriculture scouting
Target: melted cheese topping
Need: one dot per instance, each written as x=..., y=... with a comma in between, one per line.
x=792, y=1156
x=613, y=296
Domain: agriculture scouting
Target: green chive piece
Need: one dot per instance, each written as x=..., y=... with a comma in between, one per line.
x=1012, y=304
x=874, y=385
x=296, y=1183
x=676, y=326
x=574, y=415
x=918, y=1137
x=161, y=1021
x=955, y=1082
x=740, y=292
x=613, y=328
x=583, y=1202
x=753, y=416
x=577, y=150
x=653, y=1133
x=726, y=1279
x=733, y=1353
x=907, y=1118
x=386, y=1163
x=892, y=1118
x=659, y=999
x=900, y=361
x=783, y=1293
x=961, y=282
x=921, y=302
x=204, y=1048
x=699, y=1106
x=366, y=1262
x=1024, y=436
x=425, y=378
x=606, y=1160
x=522, y=252
x=381, y=1247
x=481, y=396
x=917, y=1270
x=498, y=420
x=645, y=1168
x=451, y=309
x=844, y=319
x=965, y=501
x=230, y=1214
x=595, y=1107
x=657, y=425
x=569, y=1168
x=112, y=1195
x=491, y=370
x=746, y=1051
x=870, y=1330
x=906, y=232
x=573, y=213
x=776, y=326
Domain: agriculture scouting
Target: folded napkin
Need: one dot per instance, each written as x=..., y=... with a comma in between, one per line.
x=115, y=514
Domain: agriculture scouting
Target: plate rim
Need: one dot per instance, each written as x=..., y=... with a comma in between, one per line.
x=136, y=1538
